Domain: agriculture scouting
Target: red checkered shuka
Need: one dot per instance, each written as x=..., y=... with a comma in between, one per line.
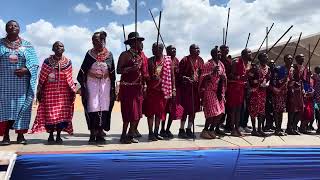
x=57, y=103
x=279, y=101
x=257, y=99
x=211, y=105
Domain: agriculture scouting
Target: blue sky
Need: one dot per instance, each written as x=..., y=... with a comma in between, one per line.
x=184, y=22
x=60, y=12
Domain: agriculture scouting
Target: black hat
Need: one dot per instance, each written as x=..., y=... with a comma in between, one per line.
x=223, y=46
x=132, y=36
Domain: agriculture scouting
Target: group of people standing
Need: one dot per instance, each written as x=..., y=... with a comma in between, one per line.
x=56, y=90
x=225, y=89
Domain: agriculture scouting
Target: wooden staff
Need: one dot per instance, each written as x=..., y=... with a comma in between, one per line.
x=247, y=40
x=282, y=49
x=154, y=21
x=309, y=52
x=225, y=39
x=159, y=29
x=262, y=43
x=308, y=78
x=313, y=51
x=136, y=16
x=295, y=50
x=310, y=56
x=280, y=39
x=223, y=35
x=136, y=19
x=267, y=39
x=315, y=48
x=124, y=36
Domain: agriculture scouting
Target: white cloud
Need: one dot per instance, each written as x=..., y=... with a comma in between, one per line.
x=142, y=3
x=43, y=34
x=187, y=22
x=154, y=10
x=81, y=8
x=184, y=23
x=2, y=28
x=100, y=7
x=119, y=7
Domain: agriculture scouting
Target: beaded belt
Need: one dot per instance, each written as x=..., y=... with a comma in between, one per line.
x=236, y=81
x=129, y=84
x=93, y=76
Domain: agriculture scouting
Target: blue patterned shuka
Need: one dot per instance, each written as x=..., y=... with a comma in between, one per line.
x=17, y=93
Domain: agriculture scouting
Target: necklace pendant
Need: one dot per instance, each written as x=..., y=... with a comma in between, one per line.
x=52, y=77
x=13, y=58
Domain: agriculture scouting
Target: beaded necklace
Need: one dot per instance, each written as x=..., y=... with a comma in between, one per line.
x=158, y=66
x=195, y=69
x=12, y=44
x=56, y=63
x=99, y=56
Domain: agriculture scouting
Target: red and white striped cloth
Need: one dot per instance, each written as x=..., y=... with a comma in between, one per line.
x=211, y=104
x=166, y=79
x=57, y=103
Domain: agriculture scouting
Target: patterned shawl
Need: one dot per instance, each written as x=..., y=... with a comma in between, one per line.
x=166, y=77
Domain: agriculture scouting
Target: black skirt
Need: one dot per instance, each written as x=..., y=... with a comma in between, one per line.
x=99, y=120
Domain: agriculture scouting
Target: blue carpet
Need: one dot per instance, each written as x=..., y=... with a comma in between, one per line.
x=220, y=164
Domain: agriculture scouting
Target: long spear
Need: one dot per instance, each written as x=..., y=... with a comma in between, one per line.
x=295, y=50
x=309, y=76
x=262, y=43
x=136, y=20
x=247, y=40
x=159, y=25
x=136, y=16
x=279, y=39
x=154, y=21
x=223, y=35
x=282, y=49
x=310, y=56
x=313, y=50
x=267, y=39
x=124, y=36
x=225, y=40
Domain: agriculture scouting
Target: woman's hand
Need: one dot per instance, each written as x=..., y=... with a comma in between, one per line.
x=22, y=72
x=39, y=96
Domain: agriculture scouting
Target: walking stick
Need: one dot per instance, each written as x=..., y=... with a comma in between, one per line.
x=192, y=101
x=309, y=73
x=136, y=16
x=247, y=40
x=262, y=43
x=313, y=50
x=159, y=28
x=282, y=49
x=267, y=39
x=295, y=50
x=279, y=39
x=311, y=55
x=136, y=19
x=225, y=40
x=154, y=21
x=124, y=36
x=223, y=35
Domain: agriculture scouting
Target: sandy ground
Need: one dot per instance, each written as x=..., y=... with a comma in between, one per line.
x=79, y=141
